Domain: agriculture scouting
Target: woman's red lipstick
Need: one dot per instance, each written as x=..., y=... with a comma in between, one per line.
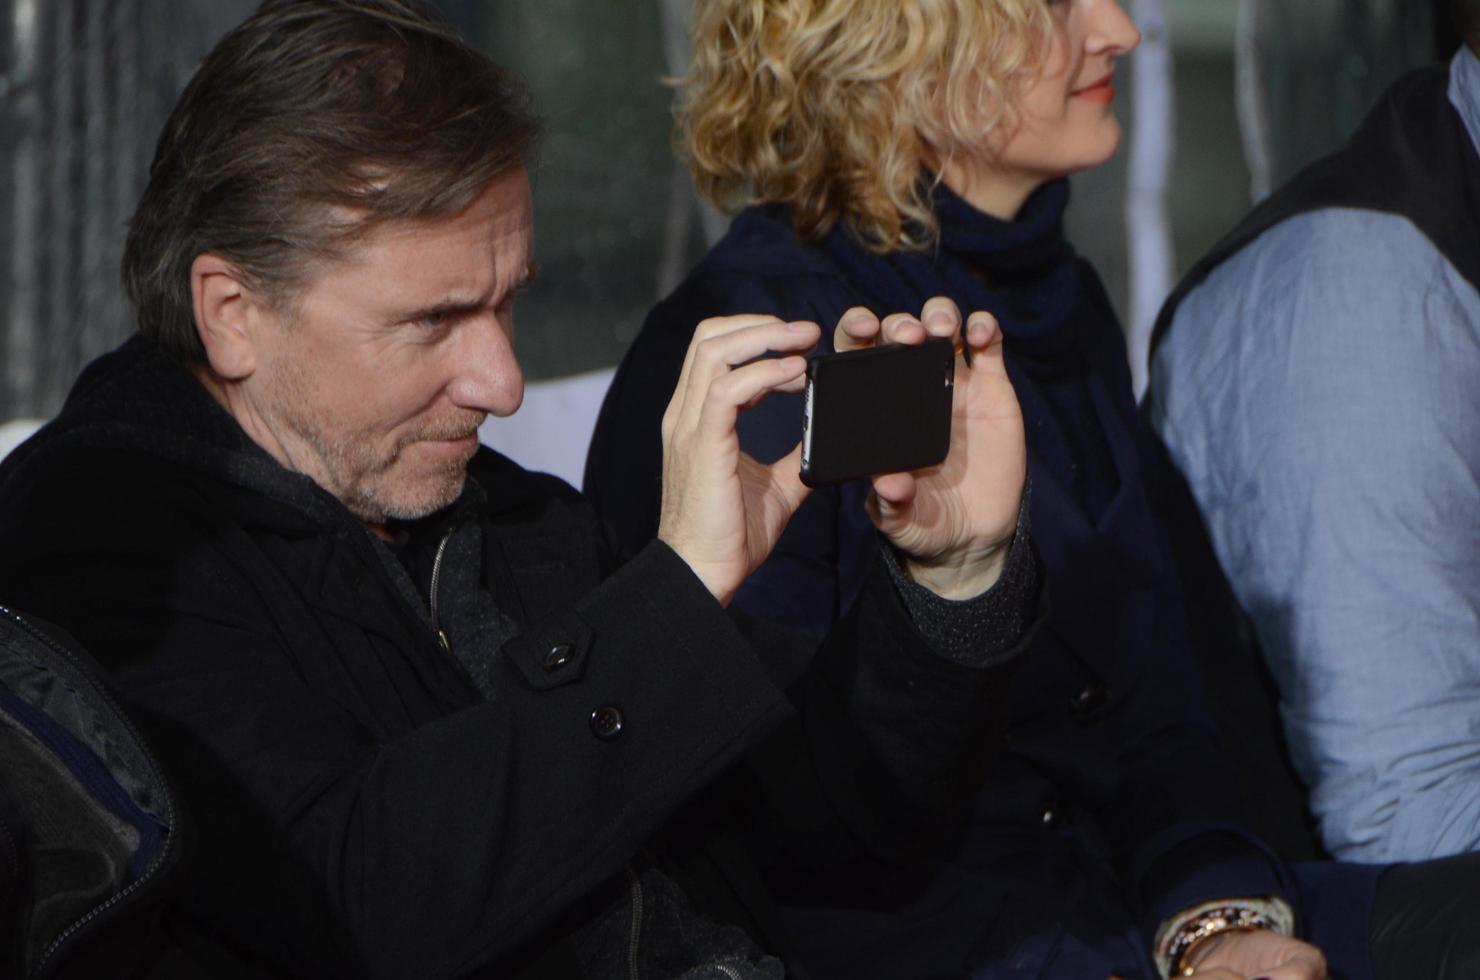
x=1102, y=91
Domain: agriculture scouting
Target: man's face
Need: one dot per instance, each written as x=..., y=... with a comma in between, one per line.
x=376, y=382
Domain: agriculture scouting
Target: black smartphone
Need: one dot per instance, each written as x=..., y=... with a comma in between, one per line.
x=878, y=410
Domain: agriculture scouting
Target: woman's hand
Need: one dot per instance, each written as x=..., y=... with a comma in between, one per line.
x=722, y=512
x=1257, y=953
x=953, y=522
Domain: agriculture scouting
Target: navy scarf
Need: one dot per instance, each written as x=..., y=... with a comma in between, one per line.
x=1046, y=299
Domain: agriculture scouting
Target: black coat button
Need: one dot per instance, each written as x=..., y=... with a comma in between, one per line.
x=607, y=722
x=1088, y=701
x=557, y=656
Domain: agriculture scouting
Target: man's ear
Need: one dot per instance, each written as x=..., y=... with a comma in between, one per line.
x=224, y=309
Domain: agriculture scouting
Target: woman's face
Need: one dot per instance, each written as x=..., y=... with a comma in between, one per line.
x=1062, y=119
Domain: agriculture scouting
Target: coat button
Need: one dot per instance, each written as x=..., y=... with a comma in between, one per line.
x=1053, y=814
x=1088, y=701
x=557, y=656
x=607, y=722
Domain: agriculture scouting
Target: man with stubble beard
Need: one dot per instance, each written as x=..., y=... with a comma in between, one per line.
x=425, y=722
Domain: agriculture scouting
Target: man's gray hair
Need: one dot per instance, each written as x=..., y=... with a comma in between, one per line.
x=307, y=125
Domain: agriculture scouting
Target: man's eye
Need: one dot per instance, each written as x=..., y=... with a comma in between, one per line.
x=434, y=320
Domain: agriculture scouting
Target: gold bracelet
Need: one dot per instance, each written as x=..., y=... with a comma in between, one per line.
x=1181, y=933
x=1226, y=918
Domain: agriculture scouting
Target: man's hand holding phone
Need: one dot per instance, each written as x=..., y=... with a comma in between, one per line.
x=722, y=511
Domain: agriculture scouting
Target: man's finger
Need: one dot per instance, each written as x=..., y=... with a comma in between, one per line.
x=720, y=351
x=730, y=392
x=716, y=326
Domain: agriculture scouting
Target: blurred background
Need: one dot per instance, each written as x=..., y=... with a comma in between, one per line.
x=1225, y=99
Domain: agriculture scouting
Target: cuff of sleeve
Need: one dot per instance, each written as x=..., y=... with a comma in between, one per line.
x=984, y=629
x=1186, y=929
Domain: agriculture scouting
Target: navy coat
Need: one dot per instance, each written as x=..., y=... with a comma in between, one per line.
x=1115, y=805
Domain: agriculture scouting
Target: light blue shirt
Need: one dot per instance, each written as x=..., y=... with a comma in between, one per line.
x=1323, y=402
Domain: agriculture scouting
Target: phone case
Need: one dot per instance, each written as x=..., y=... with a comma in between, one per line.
x=879, y=410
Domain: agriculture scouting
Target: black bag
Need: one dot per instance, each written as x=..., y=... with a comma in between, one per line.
x=89, y=828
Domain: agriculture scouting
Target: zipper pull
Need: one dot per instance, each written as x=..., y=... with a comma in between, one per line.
x=435, y=587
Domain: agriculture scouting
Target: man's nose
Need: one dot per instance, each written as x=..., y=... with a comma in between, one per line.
x=486, y=375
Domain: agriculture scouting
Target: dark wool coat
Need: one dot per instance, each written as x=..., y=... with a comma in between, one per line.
x=361, y=808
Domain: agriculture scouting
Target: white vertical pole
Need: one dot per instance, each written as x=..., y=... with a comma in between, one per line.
x=1253, y=114
x=1148, y=232
x=62, y=204
x=21, y=326
x=683, y=202
x=95, y=277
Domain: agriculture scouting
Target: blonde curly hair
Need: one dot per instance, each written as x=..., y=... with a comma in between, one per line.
x=840, y=108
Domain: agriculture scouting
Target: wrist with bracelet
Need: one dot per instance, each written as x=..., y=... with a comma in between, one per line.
x=1185, y=939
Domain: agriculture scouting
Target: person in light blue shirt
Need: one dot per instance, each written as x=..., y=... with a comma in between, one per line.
x=1317, y=381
